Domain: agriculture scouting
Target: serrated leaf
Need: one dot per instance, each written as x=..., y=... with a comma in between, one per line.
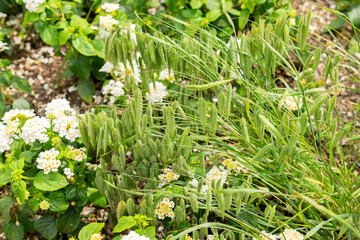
x=50, y=182
x=46, y=226
x=124, y=223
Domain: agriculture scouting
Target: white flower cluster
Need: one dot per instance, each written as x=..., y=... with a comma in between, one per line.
x=108, y=67
x=110, y=7
x=17, y=114
x=35, y=129
x=68, y=127
x=47, y=161
x=96, y=236
x=291, y=234
x=156, y=94
x=5, y=139
x=235, y=166
x=123, y=71
x=288, y=234
x=165, y=209
x=107, y=22
x=169, y=175
x=134, y=236
x=58, y=108
x=64, y=120
x=216, y=174
x=291, y=104
x=3, y=15
x=77, y=154
x=3, y=46
x=167, y=75
x=68, y=173
x=114, y=88
x=13, y=118
x=33, y=5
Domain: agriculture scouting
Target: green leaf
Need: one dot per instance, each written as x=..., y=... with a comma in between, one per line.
x=99, y=47
x=84, y=46
x=13, y=231
x=191, y=13
x=17, y=165
x=92, y=228
x=61, y=25
x=243, y=18
x=19, y=188
x=195, y=4
x=278, y=13
x=20, y=84
x=124, y=223
x=213, y=4
x=46, y=226
x=58, y=202
x=28, y=156
x=86, y=89
x=5, y=78
x=5, y=178
x=336, y=24
x=214, y=14
x=69, y=221
x=76, y=193
x=258, y=2
x=171, y=5
x=64, y=36
x=49, y=34
x=30, y=17
x=96, y=197
x=78, y=22
x=34, y=204
x=50, y=182
x=6, y=204
x=354, y=15
x=147, y=232
x=153, y=4
x=233, y=11
x=81, y=66
x=21, y=103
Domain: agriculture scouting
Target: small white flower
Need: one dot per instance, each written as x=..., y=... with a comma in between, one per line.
x=291, y=234
x=194, y=183
x=114, y=88
x=17, y=114
x=47, y=161
x=5, y=139
x=35, y=129
x=292, y=104
x=67, y=126
x=134, y=236
x=167, y=75
x=59, y=108
x=110, y=7
x=107, y=22
x=3, y=15
x=266, y=236
x=156, y=94
x=33, y=5
x=108, y=67
x=68, y=173
x=216, y=174
x=3, y=46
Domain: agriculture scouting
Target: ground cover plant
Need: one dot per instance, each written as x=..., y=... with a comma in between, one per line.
x=82, y=26
x=203, y=140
